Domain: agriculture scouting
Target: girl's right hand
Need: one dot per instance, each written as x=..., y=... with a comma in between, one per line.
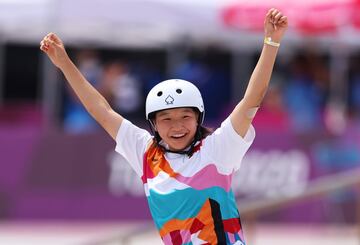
x=55, y=50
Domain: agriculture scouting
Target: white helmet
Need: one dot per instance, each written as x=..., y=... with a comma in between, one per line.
x=174, y=93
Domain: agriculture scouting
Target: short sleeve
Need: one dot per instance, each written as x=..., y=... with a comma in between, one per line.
x=226, y=147
x=131, y=143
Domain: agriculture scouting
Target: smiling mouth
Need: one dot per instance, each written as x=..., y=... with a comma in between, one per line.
x=178, y=136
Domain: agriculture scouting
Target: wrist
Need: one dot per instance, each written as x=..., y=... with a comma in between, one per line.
x=274, y=36
x=271, y=42
x=64, y=62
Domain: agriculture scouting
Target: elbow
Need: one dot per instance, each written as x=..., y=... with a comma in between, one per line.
x=262, y=95
x=258, y=97
x=99, y=111
x=255, y=100
x=263, y=91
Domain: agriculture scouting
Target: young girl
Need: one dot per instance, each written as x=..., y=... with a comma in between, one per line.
x=186, y=171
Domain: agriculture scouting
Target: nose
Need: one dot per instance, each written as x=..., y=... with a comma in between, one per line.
x=176, y=125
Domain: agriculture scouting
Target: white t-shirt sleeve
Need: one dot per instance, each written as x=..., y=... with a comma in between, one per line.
x=131, y=143
x=226, y=147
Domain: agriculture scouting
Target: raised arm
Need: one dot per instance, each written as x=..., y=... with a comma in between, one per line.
x=93, y=101
x=275, y=25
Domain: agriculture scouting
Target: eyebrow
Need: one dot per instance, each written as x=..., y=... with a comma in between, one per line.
x=162, y=113
x=165, y=113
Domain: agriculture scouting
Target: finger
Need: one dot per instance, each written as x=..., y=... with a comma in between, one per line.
x=44, y=48
x=44, y=45
x=274, y=12
x=283, y=21
x=268, y=16
x=48, y=37
x=54, y=38
x=49, y=42
x=271, y=10
x=273, y=15
x=277, y=17
x=46, y=42
x=43, y=41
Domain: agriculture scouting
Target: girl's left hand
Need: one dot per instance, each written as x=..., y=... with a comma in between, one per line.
x=275, y=25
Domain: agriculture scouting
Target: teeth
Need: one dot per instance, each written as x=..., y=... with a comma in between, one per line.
x=178, y=135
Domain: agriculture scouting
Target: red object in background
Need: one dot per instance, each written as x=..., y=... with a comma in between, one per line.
x=309, y=17
x=244, y=17
x=356, y=14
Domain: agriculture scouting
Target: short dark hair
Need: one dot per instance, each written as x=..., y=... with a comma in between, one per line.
x=205, y=131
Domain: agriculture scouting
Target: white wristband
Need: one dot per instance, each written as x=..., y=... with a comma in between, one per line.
x=270, y=42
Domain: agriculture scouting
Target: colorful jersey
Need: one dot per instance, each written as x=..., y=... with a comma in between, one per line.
x=190, y=198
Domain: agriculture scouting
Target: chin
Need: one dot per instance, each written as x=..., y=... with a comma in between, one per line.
x=179, y=147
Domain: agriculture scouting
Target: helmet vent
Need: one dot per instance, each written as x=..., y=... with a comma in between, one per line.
x=179, y=91
x=159, y=93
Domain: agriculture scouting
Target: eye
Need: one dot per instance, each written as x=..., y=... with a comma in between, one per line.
x=159, y=93
x=179, y=91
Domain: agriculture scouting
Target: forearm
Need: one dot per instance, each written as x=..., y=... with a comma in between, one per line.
x=260, y=77
x=92, y=100
x=245, y=111
x=275, y=25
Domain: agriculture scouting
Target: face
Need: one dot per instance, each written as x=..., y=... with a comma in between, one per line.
x=177, y=127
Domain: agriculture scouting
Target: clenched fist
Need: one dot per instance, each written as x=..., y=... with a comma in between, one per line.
x=55, y=50
x=275, y=25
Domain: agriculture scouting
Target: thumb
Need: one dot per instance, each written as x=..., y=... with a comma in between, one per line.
x=268, y=16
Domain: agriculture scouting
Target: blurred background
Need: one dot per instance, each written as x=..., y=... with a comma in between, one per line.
x=61, y=181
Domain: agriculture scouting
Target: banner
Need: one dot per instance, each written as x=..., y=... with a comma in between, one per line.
x=61, y=176
x=305, y=17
